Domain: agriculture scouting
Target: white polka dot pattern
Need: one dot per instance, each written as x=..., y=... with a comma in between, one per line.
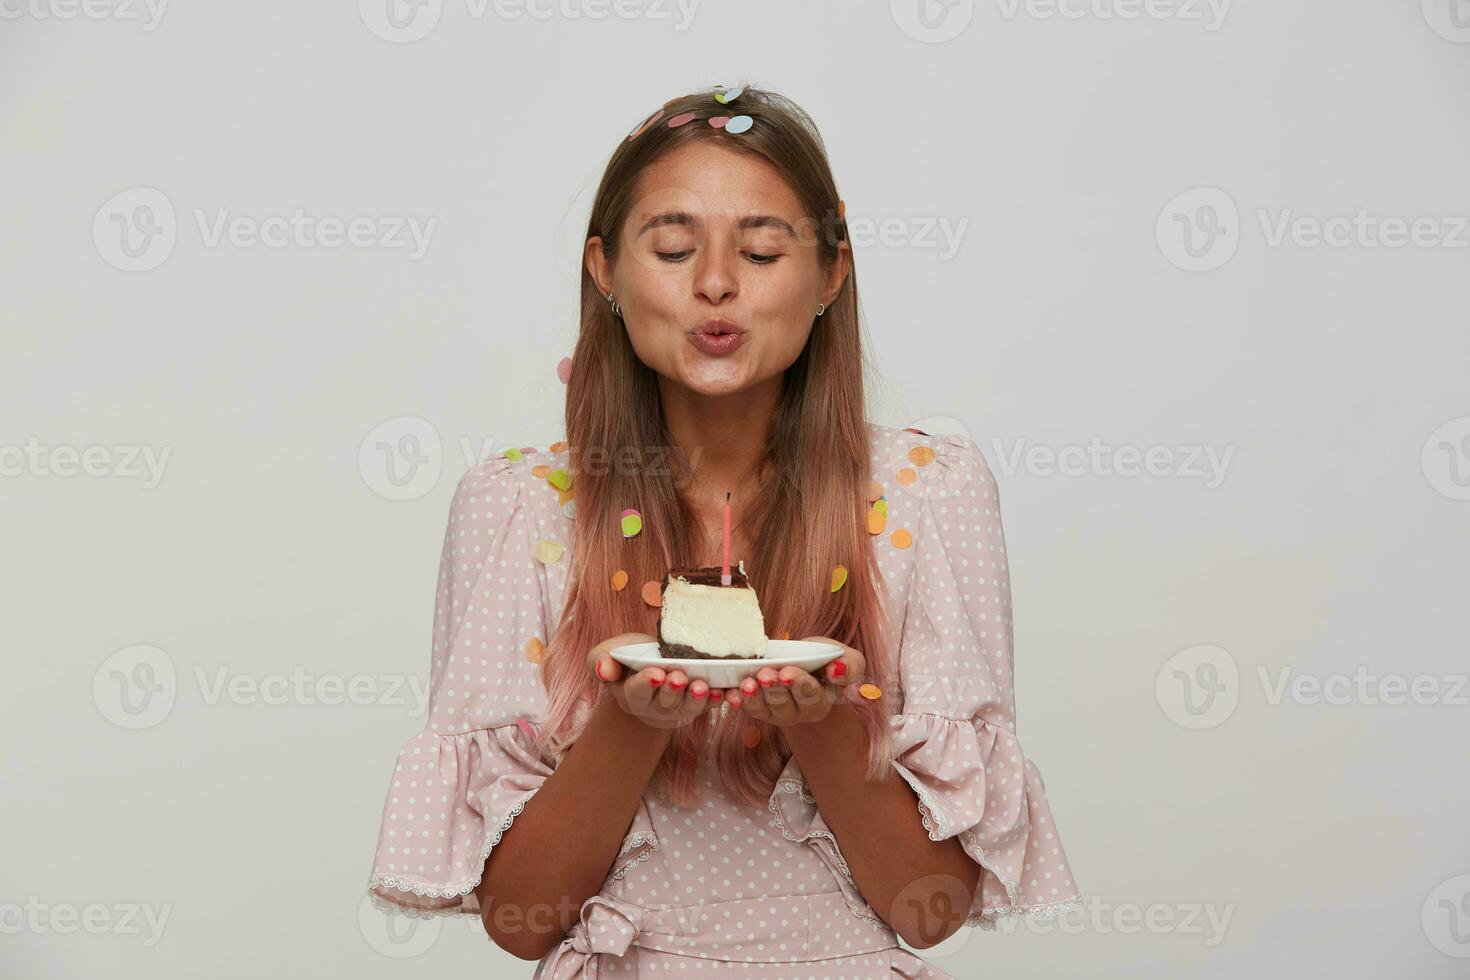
x=775, y=873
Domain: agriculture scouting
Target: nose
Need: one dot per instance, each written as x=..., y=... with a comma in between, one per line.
x=715, y=277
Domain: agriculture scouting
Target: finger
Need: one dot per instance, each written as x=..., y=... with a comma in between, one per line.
x=749, y=687
x=698, y=698
x=672, y=692
x=766, y=676
x=776, y=695
x=716, y=695
x=608, y=669
x=807, y=691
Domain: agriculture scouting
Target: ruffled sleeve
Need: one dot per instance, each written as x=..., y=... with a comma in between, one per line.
x=954, y=741
x=459, y=783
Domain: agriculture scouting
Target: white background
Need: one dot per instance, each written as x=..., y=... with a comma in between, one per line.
x=1331, y=835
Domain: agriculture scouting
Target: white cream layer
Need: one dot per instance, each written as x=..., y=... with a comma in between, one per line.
x=714, y=619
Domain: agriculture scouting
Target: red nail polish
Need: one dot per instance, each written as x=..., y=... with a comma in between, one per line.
x=655, y=681
x=763, y=683
x=675, y=686
x=839, y=669
x=717, y=695
x=700, y=694
x=788, y=681
x=598, y=667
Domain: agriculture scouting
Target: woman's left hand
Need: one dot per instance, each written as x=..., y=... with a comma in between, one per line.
x=791, y=696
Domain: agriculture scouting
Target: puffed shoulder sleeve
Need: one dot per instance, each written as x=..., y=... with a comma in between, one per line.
x=458, y=784
x=955, y=738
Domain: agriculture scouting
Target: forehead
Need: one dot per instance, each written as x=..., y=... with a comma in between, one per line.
x=710, y=181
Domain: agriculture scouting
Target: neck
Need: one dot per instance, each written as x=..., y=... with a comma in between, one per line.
x=721, y=438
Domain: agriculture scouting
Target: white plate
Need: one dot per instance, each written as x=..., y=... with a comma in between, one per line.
x=809, y=655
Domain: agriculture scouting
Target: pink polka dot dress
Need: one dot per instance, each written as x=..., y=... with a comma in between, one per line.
x=725, y=889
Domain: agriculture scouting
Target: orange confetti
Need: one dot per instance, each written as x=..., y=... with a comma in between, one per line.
x=540, y=470
x=535, y=650
x=870, y=691
x=875, y=490
x=562, y=496
x=906, y=477
x=751, y=736
x=841, y=209
x=785, y=634
x=559, y=446
x=901, y=538
x=876, y=521
x=653, y=593
x=921, y=455
x=619, y=580
x=839, y=577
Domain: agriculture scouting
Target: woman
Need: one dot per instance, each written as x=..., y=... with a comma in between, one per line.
x=615, y=823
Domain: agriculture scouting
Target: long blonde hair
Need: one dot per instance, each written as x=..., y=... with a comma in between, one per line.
x=809, y=512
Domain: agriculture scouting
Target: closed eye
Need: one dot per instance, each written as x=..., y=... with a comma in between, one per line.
x=756, y=258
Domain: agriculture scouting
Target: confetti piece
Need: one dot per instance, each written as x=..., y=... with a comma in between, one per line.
x=540, y=470
x=875, y=521
x=839, y=577
x=718, y=122
x=559, y=446
x=901, y=538
x=653, y=594
x=728, y=96
x=535, y=650
x=751, y=737
x=560, y=479
x=881, y=504
x=875, y=490
x=680, y=119
x=632, y=522
x=569, y=509
x=619, y=580
x=564, y=370
x=870, y=691
x=841, y=209
x=512, y=453
x=918, y=431
x=906, y=477
x=785, y=634
x=563, y=497
x=739, y=124
x=646, y=123
x=548, y=552
x=529, y=449
x=921, y=455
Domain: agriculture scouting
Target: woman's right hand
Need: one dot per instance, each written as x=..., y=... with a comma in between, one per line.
x=658, y=698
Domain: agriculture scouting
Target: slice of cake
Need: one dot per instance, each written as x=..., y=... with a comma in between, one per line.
x=704, y=620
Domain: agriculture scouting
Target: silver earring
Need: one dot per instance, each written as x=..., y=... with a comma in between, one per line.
x=821, y=308
x=617, y=311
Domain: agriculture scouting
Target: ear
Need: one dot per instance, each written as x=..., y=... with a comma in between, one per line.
x=837, y=273
x=598, y=267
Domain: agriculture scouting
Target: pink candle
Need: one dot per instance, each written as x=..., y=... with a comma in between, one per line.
x=725, y=565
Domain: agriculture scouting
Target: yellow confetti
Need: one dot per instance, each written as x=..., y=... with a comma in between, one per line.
x=653, y=593
x=535, y=650
x=906, y=477
x=921, y=455
x=512, y=453
x=560, y=479
x=839, y=577
x=881, y=504
x=751, y=737
x=901, y=538
x=540, y=470
x=875, y=521
x=548, y=552
x=870, y=691
x=558, y=447
x=875, y=490
x=619, y=580
x=632, y=522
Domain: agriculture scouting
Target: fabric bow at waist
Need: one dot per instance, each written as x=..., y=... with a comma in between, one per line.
x=754, y=930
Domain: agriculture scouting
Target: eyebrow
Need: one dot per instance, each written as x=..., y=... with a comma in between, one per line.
x=744, y=224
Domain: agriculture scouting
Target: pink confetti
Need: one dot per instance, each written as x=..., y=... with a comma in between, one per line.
x=680, y=119
x=564, y=369
x=718, y=122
